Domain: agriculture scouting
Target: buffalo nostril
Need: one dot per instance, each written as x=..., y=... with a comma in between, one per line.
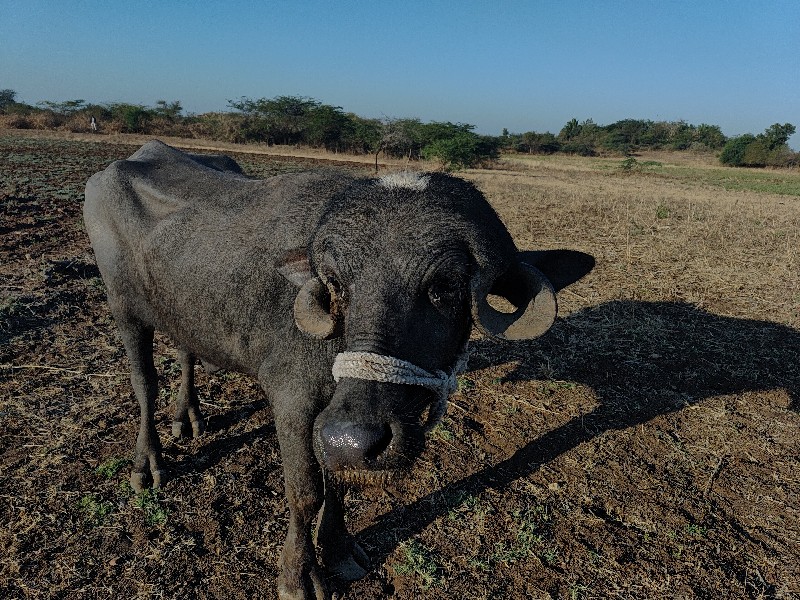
x=354, y=445
x=380, y=445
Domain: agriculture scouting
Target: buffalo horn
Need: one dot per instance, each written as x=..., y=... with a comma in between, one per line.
x=533, y=297
x=312, y=311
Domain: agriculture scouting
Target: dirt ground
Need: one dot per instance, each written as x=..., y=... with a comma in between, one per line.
x=645, y=447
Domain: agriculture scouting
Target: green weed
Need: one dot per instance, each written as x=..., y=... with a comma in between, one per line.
x=111, y=467
x=577, y=591
x=695, y=530
x=464, y=383
x=419, y=561
x=441, y=432
x=95, y=509
x=527, y=540
x=148, y=502
x=550, y=556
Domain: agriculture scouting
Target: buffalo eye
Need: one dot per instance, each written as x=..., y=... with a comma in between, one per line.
x=446, y=295
x=336, y=295
x=332, y=282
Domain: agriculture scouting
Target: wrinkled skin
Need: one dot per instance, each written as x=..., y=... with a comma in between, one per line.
x=274, y=278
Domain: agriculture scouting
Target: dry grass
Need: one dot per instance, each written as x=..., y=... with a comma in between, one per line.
x=658, y=238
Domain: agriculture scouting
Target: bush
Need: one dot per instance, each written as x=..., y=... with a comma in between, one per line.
x=755, y=154
x=734, y=150
x=454, y=153
x=463, y=150
x=16, y=121
x=578, y=147
x=766, y=149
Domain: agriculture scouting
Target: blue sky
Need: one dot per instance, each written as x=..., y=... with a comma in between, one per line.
x=522, y=65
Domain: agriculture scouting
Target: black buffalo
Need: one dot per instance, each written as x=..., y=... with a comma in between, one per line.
x=283, y=277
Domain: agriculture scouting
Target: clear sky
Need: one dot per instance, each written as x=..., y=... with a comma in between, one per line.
x=523, y=65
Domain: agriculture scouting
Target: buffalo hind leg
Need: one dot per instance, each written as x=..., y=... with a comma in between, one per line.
x=148, y=465
x=188, y=420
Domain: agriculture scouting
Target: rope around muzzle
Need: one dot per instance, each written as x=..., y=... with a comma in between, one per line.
x=388, y=369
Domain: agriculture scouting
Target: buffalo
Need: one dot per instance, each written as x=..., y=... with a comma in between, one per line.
x=350, y=298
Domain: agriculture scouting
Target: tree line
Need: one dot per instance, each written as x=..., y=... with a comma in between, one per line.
x=304, y=121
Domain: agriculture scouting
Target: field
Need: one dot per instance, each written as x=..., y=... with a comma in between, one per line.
x=648, y=446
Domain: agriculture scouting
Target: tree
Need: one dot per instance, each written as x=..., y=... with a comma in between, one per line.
x=768, y=148
x=283, y=119
x=538, y=143
x=134, y=117
x=361, y=135
x=570, y=131
x=710, y=136
x=777, y=135
x=7, y=98
x=65, y=108
x=400, y=138
x=756, y=154
x=681, y=136
x=171, y=111
x=325, y=126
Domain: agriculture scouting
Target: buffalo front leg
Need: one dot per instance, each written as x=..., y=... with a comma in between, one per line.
x=341, y=555
x=300, y=576
x=188, y=418
x=148, y=466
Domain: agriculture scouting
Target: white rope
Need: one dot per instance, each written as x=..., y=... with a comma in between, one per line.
x=387, y=369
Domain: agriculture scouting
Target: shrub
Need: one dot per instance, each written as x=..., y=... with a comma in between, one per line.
x=755, y=154
x=734, y=150
x=463, y=150
x=133, y=117
x=578, y=147
x=16, y=121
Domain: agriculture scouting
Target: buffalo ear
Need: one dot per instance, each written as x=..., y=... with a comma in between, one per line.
x=561, y=267
x=531, y=298
x=313, y=313
x=295, y=266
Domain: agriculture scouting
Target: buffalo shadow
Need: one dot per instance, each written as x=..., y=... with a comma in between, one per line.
x=643, y=359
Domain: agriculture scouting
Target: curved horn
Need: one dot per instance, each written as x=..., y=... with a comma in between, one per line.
x=312, y=311
x=532, y=295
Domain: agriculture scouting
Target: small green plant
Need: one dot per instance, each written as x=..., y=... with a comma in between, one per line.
x=464, y=383
x=631, y=165
x=170, y=366
x=695, y=530
x=441, y=432
x=662, y=212
x=111, y=467
x=550, y=556
x=9, y=308
x=419, y=561
x=527, y=539
x=148, y=502
x=577, y=591
x=95, y=509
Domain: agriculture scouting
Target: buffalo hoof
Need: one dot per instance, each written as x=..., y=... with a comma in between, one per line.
x=184, y=429
x=351, y=566
x=141, y=480
x=312, y=588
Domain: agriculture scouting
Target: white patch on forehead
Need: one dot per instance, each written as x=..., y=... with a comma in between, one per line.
x=410, y=180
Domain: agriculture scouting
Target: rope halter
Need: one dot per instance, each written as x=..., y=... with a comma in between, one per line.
x=387, y=369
